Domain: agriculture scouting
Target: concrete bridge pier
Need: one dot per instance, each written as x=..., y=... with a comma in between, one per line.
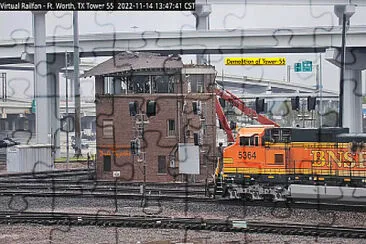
x=54, y=65
x=202, y=13
x=40, y=78
x=355, y=62
x=46, y=78
x=352, y=89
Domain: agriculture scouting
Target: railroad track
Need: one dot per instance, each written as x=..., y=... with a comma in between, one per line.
x=177, y=192
x=85, y=181
x=49, y=174
x=181, y=196
x=162, y=222
x=178, y=195
x=103, y=187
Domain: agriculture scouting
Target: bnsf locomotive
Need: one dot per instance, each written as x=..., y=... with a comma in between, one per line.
x=268, y=163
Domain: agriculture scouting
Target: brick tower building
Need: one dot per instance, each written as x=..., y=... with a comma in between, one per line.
x=183, y=99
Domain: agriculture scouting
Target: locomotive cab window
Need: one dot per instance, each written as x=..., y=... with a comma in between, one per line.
x=256, y=140
x=244, y=141
x=249, y=141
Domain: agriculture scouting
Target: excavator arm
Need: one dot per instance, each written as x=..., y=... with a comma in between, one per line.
x=237, y=102
x=223, y=121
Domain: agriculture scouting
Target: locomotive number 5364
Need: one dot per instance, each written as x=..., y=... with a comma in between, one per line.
x=246, y=155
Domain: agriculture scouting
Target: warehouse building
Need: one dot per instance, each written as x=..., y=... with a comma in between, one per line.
x=148, y=108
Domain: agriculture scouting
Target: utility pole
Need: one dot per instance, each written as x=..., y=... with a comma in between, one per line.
x=344, y=13
x=67, y=111
x=77, y=86
x=288, y=73
x=321, y=91
x=343, y=61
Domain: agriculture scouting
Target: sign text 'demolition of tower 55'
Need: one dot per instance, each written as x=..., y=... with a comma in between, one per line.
x=255, y=61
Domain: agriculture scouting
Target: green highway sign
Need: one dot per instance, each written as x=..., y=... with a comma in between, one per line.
x=298, y=67
x=307, y=66
x=33, y=106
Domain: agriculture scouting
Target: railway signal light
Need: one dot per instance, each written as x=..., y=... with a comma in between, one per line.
x=135, y=147
x=67, y=124
x=311, y=103
x=196, y=107
x=295, y=103
x=259, y=105
x=196, y=138
x=133, y=106
x=232, y=125
x=150, y=108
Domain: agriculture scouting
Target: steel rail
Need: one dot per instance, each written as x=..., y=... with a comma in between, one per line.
x=186, y=197
x=47, y=174
x=162, y=222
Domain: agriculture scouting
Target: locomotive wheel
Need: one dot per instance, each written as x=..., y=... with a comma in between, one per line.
x=248, y=197
x=268, y=198
x=225, y=191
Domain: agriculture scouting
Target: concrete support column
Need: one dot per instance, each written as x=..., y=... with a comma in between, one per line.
x=346, y=10
x=202, y=13
x=352, y=88
x=40, y=77
x=6, y=124
x=13, y=124
x=354, y=62
x=352, y=102
x=53, y=88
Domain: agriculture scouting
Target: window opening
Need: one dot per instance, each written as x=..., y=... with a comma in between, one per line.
x=107, y=163
x=108, y=128
x=171, y=127
x=162, y=167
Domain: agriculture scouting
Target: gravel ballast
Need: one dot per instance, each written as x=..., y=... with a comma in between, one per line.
x=92, y=234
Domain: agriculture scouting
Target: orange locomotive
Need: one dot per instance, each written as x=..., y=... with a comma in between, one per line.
x=265, y=161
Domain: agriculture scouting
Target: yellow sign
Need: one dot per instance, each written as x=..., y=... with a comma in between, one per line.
x=255, y=61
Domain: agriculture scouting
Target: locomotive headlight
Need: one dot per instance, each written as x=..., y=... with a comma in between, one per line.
x=278, y=188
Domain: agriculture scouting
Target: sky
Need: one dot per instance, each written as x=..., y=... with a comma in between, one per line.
x=223, y=16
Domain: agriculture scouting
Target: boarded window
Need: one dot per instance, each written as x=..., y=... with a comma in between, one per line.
x=163, y=84
x=140, y=83
x=108, y=128
x=197, y=84
x=278, y=159
x=107, y=163
x=162, y=164
x=171, y=127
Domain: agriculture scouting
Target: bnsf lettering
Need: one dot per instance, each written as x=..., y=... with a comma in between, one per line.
x=247, y=155
x=340, y=159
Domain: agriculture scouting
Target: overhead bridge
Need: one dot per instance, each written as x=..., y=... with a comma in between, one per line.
x=272, y=40
x=260, y=85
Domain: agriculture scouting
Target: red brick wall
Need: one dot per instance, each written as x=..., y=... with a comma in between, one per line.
x=169, y=106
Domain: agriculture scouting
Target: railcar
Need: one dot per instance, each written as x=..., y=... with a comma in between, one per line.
x=278, y=164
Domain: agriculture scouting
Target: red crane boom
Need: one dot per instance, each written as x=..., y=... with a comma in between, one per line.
x=237, y=102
